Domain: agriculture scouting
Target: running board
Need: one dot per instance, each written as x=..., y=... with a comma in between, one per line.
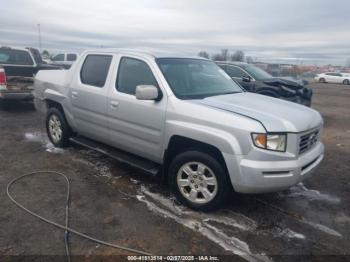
x=122, y=156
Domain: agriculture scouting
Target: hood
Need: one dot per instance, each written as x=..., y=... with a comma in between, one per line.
x=293, y=84
x=275, y=114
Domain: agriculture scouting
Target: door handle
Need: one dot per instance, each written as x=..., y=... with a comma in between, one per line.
x=74, y=94
x=114, y=104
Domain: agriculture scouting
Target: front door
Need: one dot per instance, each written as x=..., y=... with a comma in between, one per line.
x=136, y=125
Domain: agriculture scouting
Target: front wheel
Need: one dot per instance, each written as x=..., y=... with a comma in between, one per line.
x=198, y=180
x=346, y=82
x=57, y=128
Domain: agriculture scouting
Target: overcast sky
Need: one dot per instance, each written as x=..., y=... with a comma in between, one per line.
x=307, y=31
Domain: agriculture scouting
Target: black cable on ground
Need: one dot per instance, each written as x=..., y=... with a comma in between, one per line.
x=65, y=227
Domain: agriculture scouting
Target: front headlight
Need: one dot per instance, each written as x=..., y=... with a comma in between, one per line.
x=270, y=141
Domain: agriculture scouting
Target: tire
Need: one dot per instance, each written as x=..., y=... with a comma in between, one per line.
x=219, y=184
x=57, y=128
x=346, y=82
x=322, y=80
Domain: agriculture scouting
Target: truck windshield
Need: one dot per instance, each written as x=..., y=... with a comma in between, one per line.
x=196, y=78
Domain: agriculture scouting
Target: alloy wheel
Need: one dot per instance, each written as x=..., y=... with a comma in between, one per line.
x=197, y=182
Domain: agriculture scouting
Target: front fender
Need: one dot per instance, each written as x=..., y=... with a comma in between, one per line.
x=220, y=139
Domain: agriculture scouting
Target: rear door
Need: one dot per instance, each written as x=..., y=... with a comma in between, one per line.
x=338, y=78
x=330, y=78
x=88, y=96
x=136, y=125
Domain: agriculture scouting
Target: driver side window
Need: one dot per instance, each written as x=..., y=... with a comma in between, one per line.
x=133, y=72
x=236, y=72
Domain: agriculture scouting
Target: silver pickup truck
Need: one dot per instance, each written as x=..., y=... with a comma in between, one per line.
x=183, y=118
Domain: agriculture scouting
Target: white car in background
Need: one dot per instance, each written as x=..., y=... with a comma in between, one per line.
x=332, y=77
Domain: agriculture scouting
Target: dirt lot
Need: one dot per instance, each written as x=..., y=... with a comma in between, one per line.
x=118, y=204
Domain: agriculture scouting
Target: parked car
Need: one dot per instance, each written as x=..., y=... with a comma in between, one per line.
x=332, y=77
x=17, y=68
x=64, y=59
x=256, y=80
x=184, y=119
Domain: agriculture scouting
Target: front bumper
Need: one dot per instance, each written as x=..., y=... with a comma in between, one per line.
x=254, y=176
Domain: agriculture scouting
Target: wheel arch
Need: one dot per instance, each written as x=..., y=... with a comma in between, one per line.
x=178, y=144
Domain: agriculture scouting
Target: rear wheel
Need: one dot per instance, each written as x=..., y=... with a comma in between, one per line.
x=198, y=180
x=57, y=128
x=346, y=82
x=322, y=80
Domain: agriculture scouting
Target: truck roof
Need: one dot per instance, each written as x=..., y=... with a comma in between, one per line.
x=14, y=48
x=148, y=54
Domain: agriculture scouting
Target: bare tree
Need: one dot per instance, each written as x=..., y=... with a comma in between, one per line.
x=45, y=53
x=203, y=54
x=238, y=56
x=249, y=60
x=223, y=56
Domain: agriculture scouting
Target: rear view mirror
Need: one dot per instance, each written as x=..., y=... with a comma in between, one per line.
x=246, y=79
x=147, y=92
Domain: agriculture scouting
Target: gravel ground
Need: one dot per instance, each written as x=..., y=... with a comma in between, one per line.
x=124, y=206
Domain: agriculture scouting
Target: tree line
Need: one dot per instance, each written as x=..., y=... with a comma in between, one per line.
x=225, y=55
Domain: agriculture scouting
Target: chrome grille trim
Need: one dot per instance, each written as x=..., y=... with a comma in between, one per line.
x=308, y=140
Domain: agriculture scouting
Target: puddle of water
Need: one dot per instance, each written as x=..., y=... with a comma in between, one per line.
x=322, y=228
x=302, y=191
x=200, y=222
x=42, y=138
x=292, y=234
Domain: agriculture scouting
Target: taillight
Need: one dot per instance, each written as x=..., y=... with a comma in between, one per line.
x=2, y=79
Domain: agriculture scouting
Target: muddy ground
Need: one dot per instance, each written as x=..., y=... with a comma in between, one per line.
x=121, y=205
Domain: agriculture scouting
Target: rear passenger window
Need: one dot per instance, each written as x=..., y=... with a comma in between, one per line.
x=71, y=57
x=95, y=70
x=133, y=72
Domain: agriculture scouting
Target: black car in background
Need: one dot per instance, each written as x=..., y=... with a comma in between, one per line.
x=256, y=80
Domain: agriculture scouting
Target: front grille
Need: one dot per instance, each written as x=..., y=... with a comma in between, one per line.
x=307, y=141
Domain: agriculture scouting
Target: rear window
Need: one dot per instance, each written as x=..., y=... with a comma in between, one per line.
x=15, y=57
x=95, y=70
x=71, y=57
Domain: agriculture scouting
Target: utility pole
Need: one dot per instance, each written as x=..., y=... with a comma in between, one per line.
x=39, y=35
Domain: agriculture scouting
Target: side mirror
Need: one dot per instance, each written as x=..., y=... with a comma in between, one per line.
x=147, y=92
x=246, y=79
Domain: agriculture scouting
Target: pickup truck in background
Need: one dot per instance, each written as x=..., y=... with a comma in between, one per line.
x=65, y=60
x=256, y=80
x=183, y=118
x=18, y=67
